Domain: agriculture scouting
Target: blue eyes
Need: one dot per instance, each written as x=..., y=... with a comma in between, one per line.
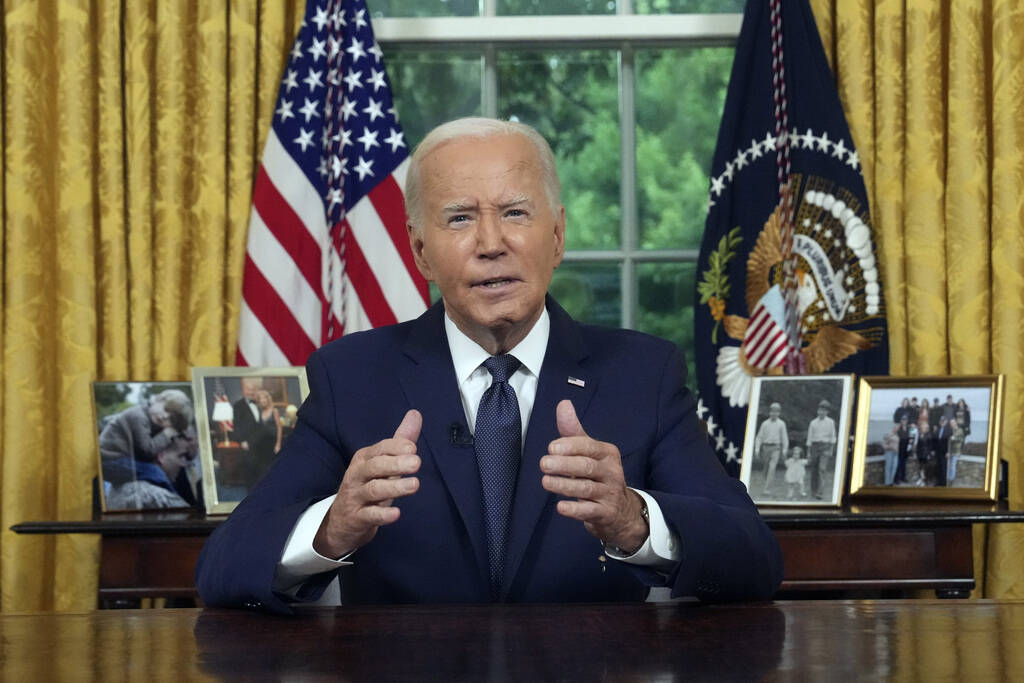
x=466, y=218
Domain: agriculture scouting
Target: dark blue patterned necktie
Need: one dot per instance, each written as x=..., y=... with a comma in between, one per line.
x=497, y=438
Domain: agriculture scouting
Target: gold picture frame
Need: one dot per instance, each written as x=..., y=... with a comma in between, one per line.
x=239, y=438
x=802, y=470
x=906, y=449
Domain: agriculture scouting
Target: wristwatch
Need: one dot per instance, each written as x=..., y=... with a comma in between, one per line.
x=616, y=550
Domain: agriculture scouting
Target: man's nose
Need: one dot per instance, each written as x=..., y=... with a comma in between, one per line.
x=490, y=235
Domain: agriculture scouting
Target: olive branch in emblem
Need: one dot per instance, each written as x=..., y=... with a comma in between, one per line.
x=714, y=285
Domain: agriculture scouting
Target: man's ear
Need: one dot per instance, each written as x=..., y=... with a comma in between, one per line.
x=560, y=236
x=416, y=244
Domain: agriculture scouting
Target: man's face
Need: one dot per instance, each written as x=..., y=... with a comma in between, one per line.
x=490, y=239
x=773, y=413
x=822, y=412
x=250, y=389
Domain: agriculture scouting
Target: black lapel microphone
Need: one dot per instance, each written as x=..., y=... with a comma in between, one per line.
x=459, y=435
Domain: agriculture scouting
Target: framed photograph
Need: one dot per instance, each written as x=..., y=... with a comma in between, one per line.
x=147, y=446
x=794, y=449
x=931, y=437
x=243, y=416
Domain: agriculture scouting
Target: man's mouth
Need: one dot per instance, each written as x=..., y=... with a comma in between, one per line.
x=495, y=283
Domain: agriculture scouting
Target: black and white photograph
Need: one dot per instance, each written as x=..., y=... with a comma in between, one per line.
x=794, y=449
x=926, y=436
x=244, y=415
x=148, y=450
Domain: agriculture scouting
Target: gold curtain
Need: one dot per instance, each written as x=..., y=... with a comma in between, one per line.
x=932, y=92
x=130, y=131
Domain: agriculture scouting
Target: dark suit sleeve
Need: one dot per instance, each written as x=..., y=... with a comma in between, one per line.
x=237, y=565
x=728, y=551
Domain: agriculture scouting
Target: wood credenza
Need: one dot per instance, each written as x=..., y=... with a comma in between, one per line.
x=874, y=546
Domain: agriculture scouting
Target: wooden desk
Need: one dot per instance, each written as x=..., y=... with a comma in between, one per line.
x=874, y=546
x=143, y=555
x=807, y=640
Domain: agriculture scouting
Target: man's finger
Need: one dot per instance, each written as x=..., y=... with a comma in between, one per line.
x=568, y=423
x=410, y=427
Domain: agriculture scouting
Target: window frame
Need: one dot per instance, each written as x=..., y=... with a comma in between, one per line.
x=623, y=32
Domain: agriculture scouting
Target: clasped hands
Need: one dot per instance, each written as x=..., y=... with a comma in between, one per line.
x=586, y=471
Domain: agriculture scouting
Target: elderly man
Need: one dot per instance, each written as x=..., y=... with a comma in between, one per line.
x=493, y=449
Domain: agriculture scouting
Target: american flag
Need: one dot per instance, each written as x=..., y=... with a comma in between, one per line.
x=766, y=344
x=327, y=249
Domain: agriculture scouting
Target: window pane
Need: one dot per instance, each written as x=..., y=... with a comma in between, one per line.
x=590, y=291
x=665, y=305
x=431, y=87
x=685, y=6
x=571, y=97
x=556, y=6
x=424, y=8
x=680, y=94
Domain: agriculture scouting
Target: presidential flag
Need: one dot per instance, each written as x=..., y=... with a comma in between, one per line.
x=788, y=277
x=327, y=250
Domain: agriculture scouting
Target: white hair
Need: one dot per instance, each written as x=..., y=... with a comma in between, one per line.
x=477, y=128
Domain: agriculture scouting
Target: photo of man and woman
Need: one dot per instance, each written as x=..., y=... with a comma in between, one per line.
x=245, y=416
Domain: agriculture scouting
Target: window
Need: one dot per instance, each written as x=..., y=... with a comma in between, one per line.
x=629, y=94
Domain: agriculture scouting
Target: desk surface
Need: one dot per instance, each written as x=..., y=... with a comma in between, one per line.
x=865, y=640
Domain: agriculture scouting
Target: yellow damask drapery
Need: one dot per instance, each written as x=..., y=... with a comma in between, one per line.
x=932, y=92
x=129, y=134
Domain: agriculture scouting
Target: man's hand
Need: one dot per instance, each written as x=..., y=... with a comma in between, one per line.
x=590, y=471
x=374, y=478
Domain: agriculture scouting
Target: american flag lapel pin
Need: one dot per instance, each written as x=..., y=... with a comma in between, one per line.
x=576, y=382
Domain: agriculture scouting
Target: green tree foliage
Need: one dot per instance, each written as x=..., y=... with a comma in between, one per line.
x=431, y=86
x=571, y=98
x=110, y=397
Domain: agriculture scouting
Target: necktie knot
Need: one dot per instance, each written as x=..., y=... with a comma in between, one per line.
x=501, y=367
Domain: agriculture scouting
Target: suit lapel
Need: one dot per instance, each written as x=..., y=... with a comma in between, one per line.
x=565, y=351
x=429, y=382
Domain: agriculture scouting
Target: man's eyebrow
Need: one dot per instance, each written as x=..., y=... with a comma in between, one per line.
x=514, y=201
x=457, y=207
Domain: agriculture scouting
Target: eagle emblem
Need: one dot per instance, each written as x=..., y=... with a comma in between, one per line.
x=837, y=298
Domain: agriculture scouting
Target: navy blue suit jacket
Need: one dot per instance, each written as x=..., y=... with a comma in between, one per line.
x=633, y=395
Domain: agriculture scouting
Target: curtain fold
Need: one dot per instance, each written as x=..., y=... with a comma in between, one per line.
x=932, y=94
x=130, y=132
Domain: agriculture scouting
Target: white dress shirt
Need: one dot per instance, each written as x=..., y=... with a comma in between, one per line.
x=299, y=561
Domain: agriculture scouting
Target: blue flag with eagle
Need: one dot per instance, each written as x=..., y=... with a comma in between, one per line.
x=783, y=126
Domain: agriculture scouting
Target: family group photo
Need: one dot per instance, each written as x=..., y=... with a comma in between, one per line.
x=927, y=437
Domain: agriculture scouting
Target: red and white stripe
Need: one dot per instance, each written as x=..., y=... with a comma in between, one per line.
x=765, y=343
x=287, y=285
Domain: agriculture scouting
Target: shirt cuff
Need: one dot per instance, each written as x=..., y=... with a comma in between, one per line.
x=299, y=561
x=662, y=550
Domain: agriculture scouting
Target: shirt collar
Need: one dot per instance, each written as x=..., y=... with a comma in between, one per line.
x=467, y=355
